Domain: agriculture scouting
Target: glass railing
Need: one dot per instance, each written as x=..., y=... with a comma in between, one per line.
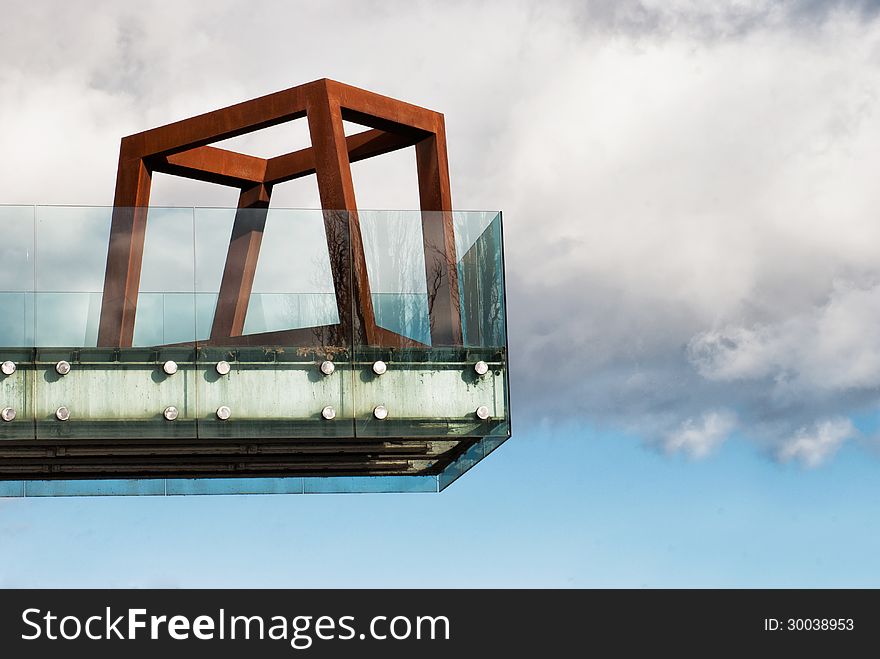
x=405, y=309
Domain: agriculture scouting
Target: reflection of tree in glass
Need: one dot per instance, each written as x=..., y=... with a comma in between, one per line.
x=408, y=279
x=480, y=280
x=335, y=337
x=439, y=263
x=394, y=251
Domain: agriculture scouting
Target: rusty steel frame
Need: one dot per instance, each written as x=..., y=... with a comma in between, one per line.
x=182, y=149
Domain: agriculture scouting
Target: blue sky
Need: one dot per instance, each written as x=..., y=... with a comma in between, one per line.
x=564, y=508
x=692, y=250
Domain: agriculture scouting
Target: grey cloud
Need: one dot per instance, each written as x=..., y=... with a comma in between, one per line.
x=829, y=348
x=685, y=185
x=712, y=20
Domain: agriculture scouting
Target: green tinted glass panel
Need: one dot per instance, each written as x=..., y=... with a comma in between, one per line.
x=17, y=276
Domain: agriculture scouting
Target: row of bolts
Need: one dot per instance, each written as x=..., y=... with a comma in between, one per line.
x=223, y=413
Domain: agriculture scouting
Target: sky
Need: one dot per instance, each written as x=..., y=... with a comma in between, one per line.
x=692, y=268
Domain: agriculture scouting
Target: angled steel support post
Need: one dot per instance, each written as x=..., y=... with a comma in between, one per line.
x=444, y=304
x=429, y=132
x=336, y=190
x=241, y=261
x=125, y=252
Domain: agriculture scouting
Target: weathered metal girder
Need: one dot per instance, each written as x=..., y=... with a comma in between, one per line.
x=116, y=403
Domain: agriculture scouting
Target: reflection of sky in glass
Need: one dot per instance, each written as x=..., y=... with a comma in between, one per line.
x=268, y=312
x=293, y=284
x=16, y=319
x=469, y=226
x=17, y=248
x=169, y=259
x=67, y=319
x=394, y=251
x=165, y=318
x=166, y=303
x=213, y=228
x=16, y=275
x=71, y=248
x=293, y=256
x=71, y=254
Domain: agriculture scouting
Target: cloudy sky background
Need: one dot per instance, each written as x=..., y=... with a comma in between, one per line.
x=693, y=247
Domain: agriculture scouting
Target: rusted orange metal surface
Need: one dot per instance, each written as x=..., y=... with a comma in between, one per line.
x=182, y=149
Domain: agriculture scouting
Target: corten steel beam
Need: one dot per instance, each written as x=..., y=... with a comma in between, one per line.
x=336, y=190
x=212, y=165
x=241, y=261
x=377, y=111
x=232, y=121
x=360, y=147
x=438, y=235
x=181, y=149
x=380, y=112
x=125, y=253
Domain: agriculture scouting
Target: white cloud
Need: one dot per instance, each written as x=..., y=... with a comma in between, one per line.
x=811, y=447
x=700, y=437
